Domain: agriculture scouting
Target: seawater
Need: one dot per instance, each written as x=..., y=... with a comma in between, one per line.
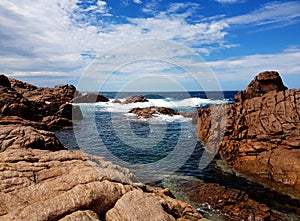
x=163, y=150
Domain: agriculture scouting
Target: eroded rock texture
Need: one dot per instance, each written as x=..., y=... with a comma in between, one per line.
x=260, y=134
x=43, y=184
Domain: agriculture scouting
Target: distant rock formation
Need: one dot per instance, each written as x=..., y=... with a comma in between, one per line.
x=149, y=112
x=40, y=180
x=135, y=99
x=259, y=134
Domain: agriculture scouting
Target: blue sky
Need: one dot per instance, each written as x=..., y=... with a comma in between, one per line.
x=57, y=41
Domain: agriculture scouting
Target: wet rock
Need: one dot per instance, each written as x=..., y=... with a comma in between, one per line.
x=233, y=204
x=116, y=101
x=134, y=99
x=90, y=98
x=260, y=134
x=70, y=112
x=149, y=112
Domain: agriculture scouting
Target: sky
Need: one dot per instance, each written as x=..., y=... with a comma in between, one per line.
x=137, y=45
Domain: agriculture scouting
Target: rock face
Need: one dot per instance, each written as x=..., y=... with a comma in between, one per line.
x=135, y=99
x=39, y=184
x=261, y=136
x=149, y=112
x=29, y=102
x=4, y=82
x=233, y=204
x=90, y=98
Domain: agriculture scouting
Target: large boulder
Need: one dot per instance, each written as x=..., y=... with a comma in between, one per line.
x=260, y=134
x=4, y=82
x=148, y=112
x=39, y=184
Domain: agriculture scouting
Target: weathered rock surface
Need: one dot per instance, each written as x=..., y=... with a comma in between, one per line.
x=231, y=203
x=90, y=98
x=29, y=102
x=261, y=134
x=149, y=112
x=135, y=99
x=38, y=184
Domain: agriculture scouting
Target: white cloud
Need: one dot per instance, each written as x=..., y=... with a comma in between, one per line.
x=138, y=2
x=269, y=14
x=230, y=1
x=60, y=37
x=244, y=68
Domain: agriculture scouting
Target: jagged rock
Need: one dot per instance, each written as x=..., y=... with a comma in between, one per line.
x=260, y=135
x=90, y=98
x=21, y=86
x=263, y=83
x=134, y=99
x=37, y=184
x=15, y=137
x=232, y=203
x=13, y=104
x=35, y=104
x=4, y=82
x=149, y=112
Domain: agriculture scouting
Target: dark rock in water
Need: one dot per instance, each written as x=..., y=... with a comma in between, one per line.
x=116, y=101
x=90, y=98
x=233, y=204
x=58, y=184
x=149, y=112
x=261, y=134
x=135, y=99
x=4, y=82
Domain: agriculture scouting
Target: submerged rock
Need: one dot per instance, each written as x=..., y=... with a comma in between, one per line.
x=259, y=134
x=149, y=112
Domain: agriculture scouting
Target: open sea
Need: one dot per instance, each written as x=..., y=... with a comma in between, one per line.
x=164, y=151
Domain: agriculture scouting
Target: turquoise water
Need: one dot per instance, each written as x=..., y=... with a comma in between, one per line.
x=164, y=150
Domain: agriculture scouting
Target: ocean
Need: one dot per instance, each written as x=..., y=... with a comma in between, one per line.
x=163, y=150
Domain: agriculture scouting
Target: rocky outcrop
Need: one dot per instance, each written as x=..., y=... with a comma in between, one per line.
x=149, y=112
x=4, y=82
x=37, y=104
x=135, y=99
x=231, y=204
x=90, y=98
x=39, y=184
x=259, y=134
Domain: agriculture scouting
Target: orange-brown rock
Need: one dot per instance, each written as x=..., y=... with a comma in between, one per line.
x=260, y=136
x=29, y=102
x=233, y=204
x=39, y=184
x=135, y=99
